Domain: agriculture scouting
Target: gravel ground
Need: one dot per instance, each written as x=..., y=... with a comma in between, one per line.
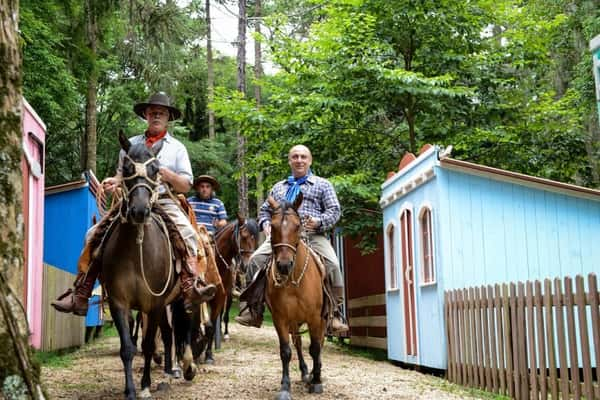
x=247, y=367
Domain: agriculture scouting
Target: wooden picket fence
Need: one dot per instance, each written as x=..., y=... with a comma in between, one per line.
x=519, y=340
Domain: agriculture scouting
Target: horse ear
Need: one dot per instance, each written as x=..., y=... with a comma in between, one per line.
x=272, y=202
x=241, y=219
x=125, y=143
x=298, y=201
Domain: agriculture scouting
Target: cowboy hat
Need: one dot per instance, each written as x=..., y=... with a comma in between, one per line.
x=158, y=99
x=209, y=179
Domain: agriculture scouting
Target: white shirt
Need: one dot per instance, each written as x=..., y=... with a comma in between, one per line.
x=173, y=155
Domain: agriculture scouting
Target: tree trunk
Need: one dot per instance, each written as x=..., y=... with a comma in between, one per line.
x=258, y=72
x=241, y=86
x=19, y=377
x=92, y=88
x=210, y=79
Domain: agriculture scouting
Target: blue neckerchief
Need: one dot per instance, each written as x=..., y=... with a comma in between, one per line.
x=294, y=187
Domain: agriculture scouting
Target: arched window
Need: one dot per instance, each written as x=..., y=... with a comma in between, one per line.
x=391, y=258
x=427, y=254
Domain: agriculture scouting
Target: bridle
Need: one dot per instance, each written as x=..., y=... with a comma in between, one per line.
x=147, y=183
x=278, y=281
x=236, y=241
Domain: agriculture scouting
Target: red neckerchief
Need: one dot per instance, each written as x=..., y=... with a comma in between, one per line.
x=150, y=140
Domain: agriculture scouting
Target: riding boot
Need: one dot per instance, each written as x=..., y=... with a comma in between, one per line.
x=254, y=296
x=192, y=293
x=337, y=324
x=76, y=301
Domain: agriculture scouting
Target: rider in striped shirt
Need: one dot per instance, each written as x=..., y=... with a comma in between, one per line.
x=209, y=210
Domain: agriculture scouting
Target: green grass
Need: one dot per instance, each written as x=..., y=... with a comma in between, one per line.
x=363, y=352
x=56, y=359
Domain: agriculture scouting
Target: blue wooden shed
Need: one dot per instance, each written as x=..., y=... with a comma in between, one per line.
x=71, y=209
x=451, y=224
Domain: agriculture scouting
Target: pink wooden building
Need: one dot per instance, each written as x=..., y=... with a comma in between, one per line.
x=32, y=165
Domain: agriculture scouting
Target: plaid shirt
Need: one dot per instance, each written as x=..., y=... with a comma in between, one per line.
x=320, y=202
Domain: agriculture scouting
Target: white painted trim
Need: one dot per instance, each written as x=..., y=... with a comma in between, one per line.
x=34, y=114
x=386, y=254
x=409, y=167
x=426, y=205
x=595, y=43
x=401, y=191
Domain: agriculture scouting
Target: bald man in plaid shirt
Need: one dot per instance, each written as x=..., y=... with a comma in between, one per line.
x=319, y=211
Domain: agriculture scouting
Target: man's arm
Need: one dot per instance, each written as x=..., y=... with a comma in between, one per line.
x=180, y=183
x=221, y=219
x=331, y=206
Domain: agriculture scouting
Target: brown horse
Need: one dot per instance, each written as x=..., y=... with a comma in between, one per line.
x=294, y=294
x=137, y=264
x=235, y=242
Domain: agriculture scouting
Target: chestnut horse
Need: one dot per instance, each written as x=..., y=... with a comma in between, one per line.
x=294, y=294
x=137, y=261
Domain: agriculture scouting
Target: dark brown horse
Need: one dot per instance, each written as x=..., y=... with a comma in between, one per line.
x=234, y=244
x=137, y=264
x=294, y=294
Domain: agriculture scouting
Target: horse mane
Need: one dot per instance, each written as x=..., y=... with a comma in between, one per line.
x=252, y=226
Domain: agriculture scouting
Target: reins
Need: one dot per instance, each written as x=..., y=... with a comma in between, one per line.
x=140, y=242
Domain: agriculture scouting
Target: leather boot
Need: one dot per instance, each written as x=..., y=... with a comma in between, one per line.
x=192, y=293
x=337, y=324
x=254, y=295
x=76, y=301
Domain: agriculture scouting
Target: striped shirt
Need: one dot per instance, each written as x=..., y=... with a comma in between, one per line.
x=207, y=210
x=319, y=201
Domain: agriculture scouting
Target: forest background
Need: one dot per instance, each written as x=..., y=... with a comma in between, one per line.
x=507, y=83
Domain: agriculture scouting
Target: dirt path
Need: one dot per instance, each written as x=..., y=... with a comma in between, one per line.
x=247, y=367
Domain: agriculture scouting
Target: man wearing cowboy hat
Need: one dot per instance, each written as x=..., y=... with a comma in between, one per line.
x=209, y=210
x=176, y=176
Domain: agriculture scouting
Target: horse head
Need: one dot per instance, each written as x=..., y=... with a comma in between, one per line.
x=286, y=228
x=247, y=240
x=140, y=180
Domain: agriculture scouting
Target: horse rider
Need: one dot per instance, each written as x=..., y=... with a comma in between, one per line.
x=176, y=175
x=319, y=211
x=209, y=210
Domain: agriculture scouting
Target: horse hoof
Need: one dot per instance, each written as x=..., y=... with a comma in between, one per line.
x=190, y=373
x=306, y=378
x=226, y=337
x=283, y=395
x=157, y=359
x=145, y=394
x=315, y=388
x=209, y=361
x=176, y=373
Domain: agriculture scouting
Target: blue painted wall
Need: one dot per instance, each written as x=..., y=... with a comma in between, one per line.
x=67, y=218
x=486, y=231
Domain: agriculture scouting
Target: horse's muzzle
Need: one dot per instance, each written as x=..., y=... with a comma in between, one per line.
x=139, y=215
x=285, y=267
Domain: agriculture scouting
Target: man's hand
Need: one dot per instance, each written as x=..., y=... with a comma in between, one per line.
x=267, y=228
x=167, y=175
x=110, y=184
x=312, y=224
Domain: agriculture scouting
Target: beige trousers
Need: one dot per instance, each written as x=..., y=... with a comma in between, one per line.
x=318, y=243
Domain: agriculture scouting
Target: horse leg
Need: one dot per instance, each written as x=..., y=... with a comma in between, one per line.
x=148, y=347
x=135, y=327
x=166, y=334
x=216, y=306
x=297, y=339
x=226, y=315
x=285, y=353
x=316, y=344
x=121, y=320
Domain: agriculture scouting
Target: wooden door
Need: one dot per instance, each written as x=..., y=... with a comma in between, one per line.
x=408, y=282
